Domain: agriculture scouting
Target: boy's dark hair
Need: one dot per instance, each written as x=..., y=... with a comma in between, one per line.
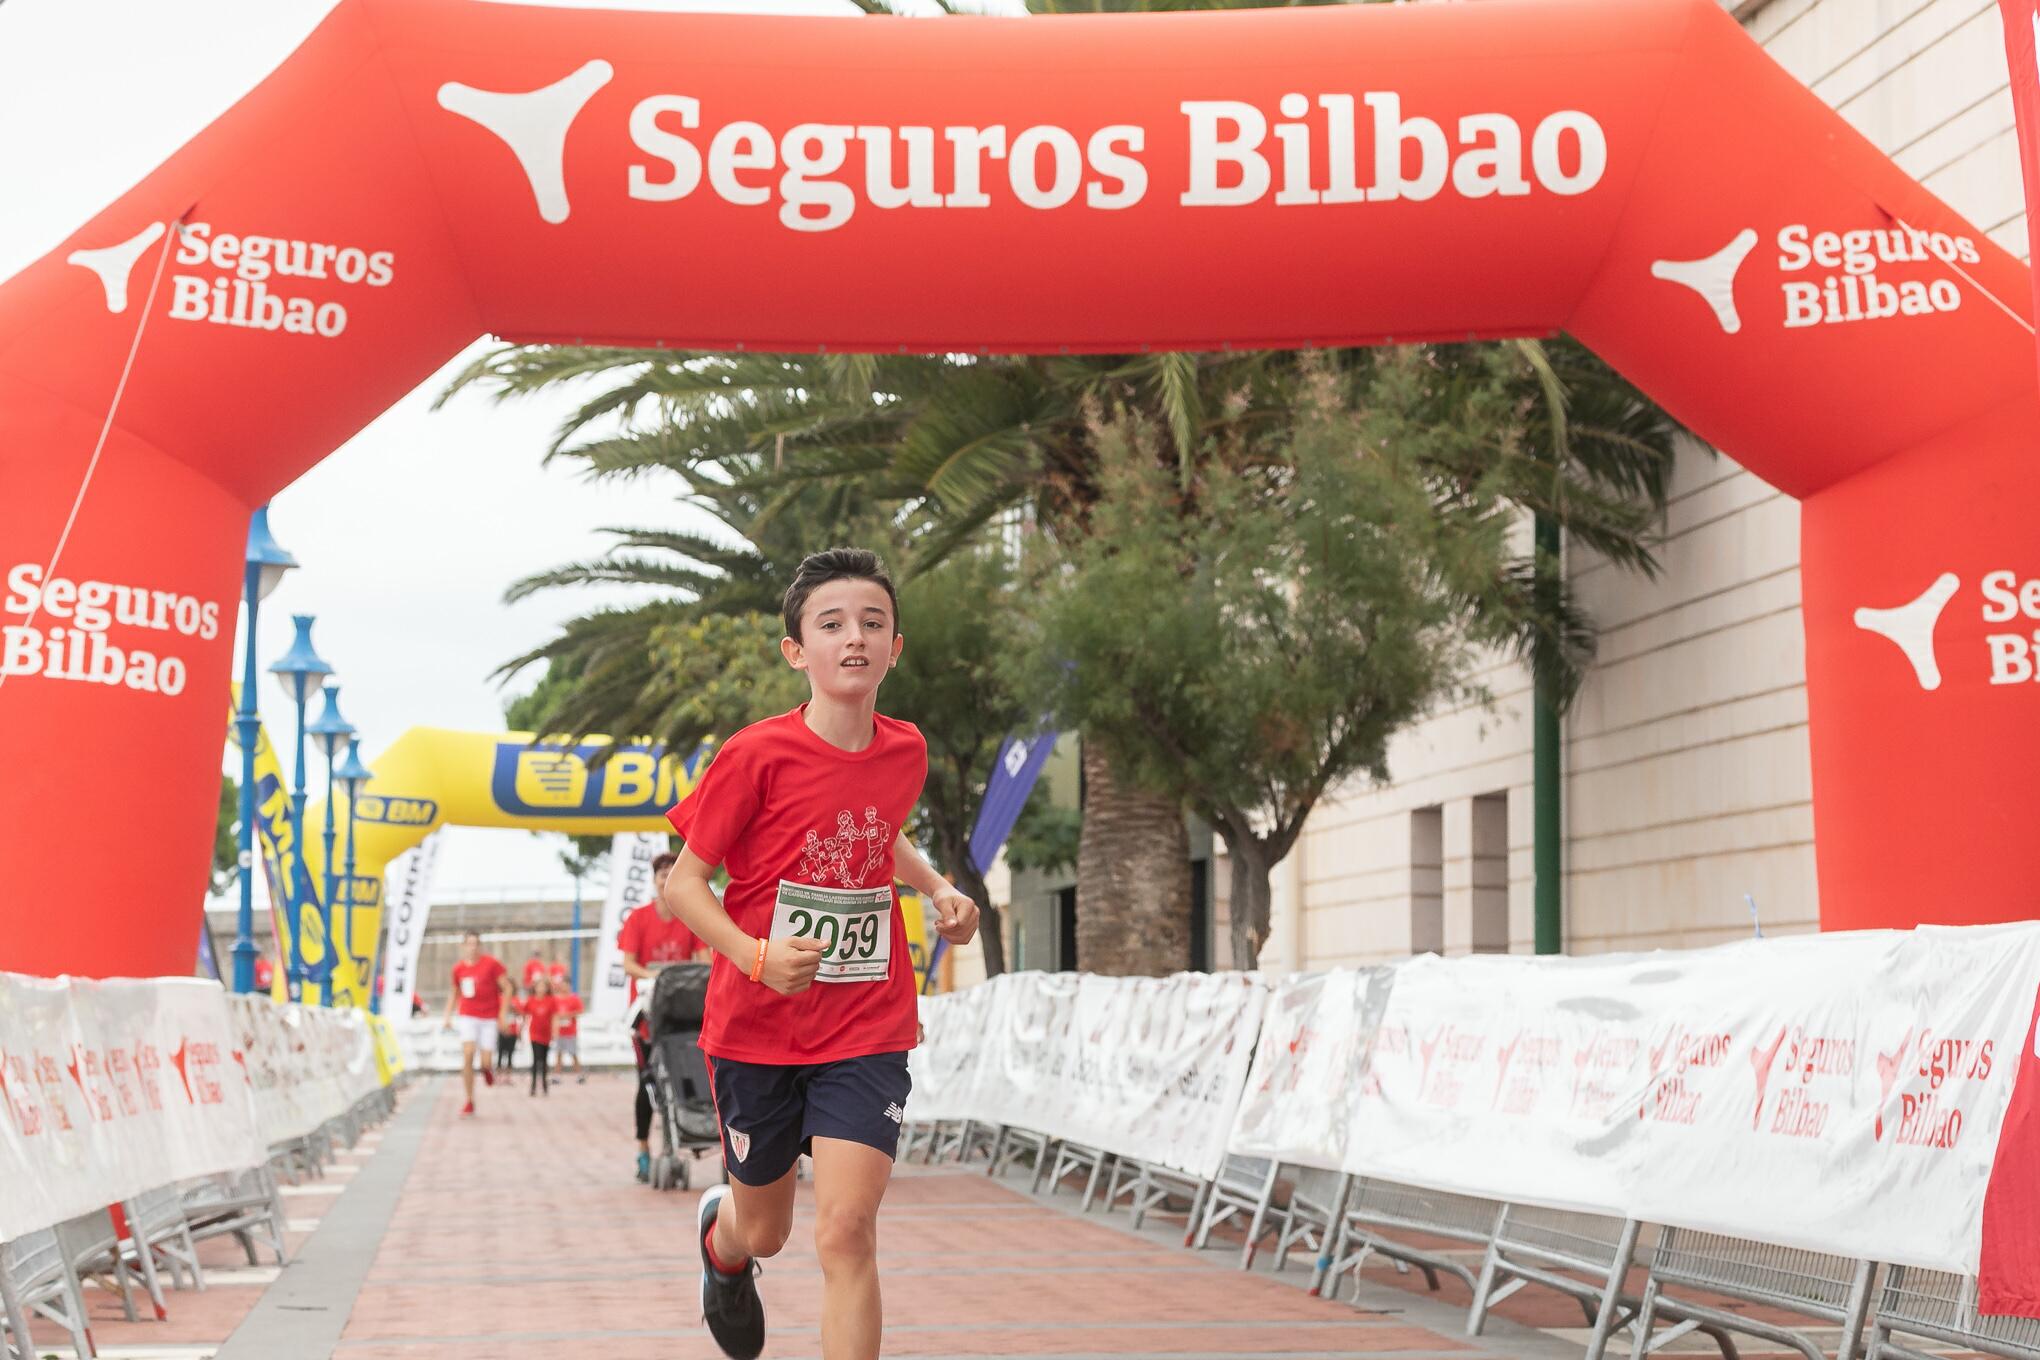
x=664, y=859
x=837, y=564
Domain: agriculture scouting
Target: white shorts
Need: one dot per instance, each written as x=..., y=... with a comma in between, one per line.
x=566, y=1046
x=479, y=1030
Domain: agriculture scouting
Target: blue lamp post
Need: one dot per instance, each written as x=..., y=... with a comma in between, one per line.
x=266, y=562
x=300, y=670
x=331, y=733
x=353, y=777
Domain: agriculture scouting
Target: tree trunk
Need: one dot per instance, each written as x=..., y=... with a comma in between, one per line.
x=1251, y=897
x=972, y=883
x=952, y=842
x=1133, y=877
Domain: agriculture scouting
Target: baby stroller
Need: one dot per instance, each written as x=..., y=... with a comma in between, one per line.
x=679, y=1076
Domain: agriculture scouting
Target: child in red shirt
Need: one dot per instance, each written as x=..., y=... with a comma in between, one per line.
x=810, y=1008
x=538, y=1010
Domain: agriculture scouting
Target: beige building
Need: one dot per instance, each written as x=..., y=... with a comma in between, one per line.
x=1686, y=785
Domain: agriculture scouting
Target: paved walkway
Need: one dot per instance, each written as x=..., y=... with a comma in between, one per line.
x=521, y=1234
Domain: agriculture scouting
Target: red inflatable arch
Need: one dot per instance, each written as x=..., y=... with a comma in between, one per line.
x=423, y=171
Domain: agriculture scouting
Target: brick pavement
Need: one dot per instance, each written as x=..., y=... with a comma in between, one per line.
x=520, y=1233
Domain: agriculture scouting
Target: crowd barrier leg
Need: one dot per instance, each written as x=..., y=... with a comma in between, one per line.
x=1097, y=1169
x=1611, y=1298
x=13, y=1314
x=1328, y=1248
x=1051, y=1153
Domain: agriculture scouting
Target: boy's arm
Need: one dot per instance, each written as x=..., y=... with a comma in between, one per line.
x=956, y=916
x=790, y=963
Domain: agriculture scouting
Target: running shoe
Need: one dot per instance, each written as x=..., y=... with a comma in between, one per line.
x=468, y=1108
x=644, y=1166
x=488, y=1076
x=729, y=1303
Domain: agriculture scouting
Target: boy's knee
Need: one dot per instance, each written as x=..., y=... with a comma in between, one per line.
x=765, y=1234
x=845, y=1237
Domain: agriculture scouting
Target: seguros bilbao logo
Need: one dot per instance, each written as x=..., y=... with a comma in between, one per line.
x=560, y=781
x=1833, y=278
x=2008, y=607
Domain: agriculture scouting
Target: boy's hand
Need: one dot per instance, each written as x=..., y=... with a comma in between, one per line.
x=790, y=964
x=956, y=917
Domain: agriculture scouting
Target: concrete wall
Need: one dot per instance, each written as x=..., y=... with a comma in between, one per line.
x=1686, y=775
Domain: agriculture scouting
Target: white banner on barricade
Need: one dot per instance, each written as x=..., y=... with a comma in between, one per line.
x=1149, y=1068
x=945, y=1065
x=113, y=1088
x=1315, y=1036
x=405, y=911
x=630, y=886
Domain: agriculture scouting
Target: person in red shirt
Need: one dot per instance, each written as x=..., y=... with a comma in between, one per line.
x=651, y=938
x=471, y=1009
x=810, y=1008
x=567, y=1025
x=539, y=1009
x=534, y=967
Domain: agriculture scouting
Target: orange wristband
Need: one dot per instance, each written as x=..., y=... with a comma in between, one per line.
x=758, y=966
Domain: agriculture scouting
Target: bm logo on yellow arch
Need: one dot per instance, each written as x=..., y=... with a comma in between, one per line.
x=557, y=780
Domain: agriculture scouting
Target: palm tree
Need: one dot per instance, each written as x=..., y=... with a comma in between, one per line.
x=965, y=442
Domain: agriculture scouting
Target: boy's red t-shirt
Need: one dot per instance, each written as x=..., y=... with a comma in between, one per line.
x=538, y=1014
x=479, y=986
x=650, y=938
x=780, y=806
x=565, y=1009
x=534, y=969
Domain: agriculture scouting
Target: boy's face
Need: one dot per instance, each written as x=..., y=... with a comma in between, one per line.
x=846, y=642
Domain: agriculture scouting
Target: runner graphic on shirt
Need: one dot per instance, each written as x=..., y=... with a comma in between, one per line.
x=825, y=861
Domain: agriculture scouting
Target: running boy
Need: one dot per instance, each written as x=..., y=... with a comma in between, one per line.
x=810, y=1007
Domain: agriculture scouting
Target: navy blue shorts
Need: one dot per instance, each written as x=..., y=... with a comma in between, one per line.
x=771, y=1114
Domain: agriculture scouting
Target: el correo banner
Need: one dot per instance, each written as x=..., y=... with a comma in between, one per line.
x=630, y=886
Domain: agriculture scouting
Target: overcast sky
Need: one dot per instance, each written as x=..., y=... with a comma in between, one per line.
x=407, y=535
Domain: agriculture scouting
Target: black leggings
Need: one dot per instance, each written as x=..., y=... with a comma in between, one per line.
x=539, y=1078
x=644, y=1092
x=506, y=1048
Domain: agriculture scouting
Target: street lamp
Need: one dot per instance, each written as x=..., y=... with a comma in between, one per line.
x=331, y=733
x=265, y=563
x=299, y=671
x=353, y=777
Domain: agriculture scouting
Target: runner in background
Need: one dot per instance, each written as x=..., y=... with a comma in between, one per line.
x=650, y=939
x=534, y=968
x=567, y=1033
x=472, y=1007
x=539, y=1009
x=508, y=1024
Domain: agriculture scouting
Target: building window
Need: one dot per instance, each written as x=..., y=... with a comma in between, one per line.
x=1427, y=880
x=1490, y=874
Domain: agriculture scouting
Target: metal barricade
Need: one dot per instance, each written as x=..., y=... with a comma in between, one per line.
x=1074, y=1157
x=1941, y=1307
x=237, y=1203
x=159, y=1232
x=1538, y=1246
x=1244, y=1189
x=1012, y=1144
x=39, y=1280
x=1833, y=1289
x=91, y=1246
x=1317, y=1204
x=1146, y=1187
x=1380, y=1215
